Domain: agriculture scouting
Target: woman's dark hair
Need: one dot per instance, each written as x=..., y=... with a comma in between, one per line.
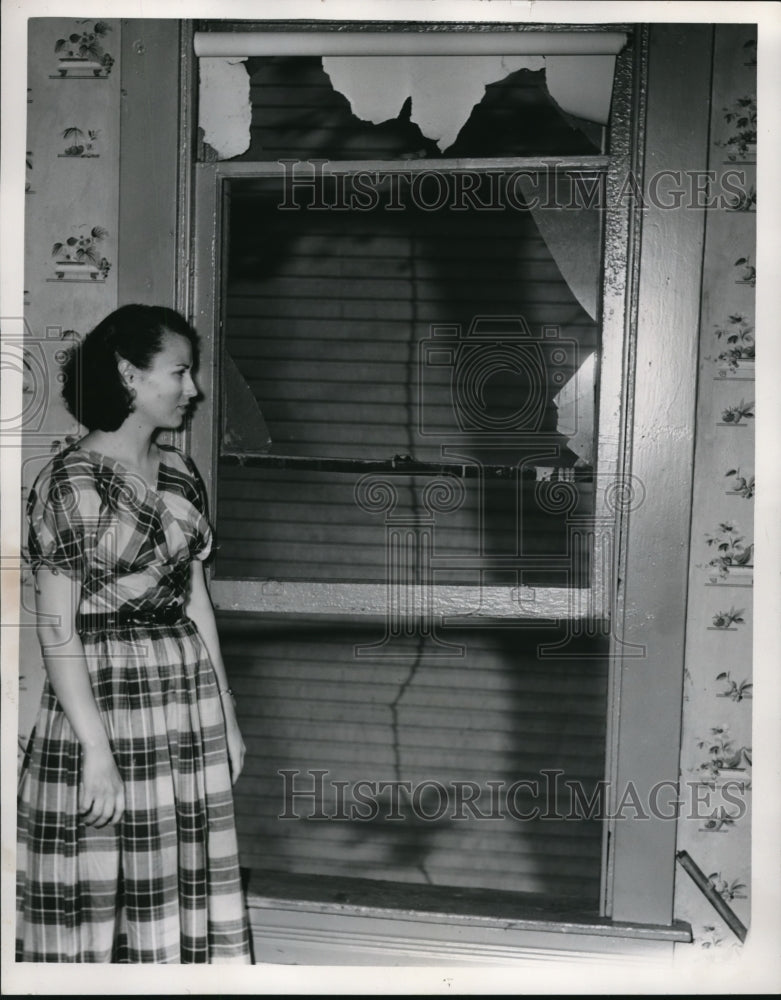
x=93, y=389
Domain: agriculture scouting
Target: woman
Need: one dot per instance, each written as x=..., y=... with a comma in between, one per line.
x=127, y=842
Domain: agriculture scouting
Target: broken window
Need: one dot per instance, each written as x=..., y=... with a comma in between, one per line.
x=299, y=109
x=438, y=338
x=360, y=462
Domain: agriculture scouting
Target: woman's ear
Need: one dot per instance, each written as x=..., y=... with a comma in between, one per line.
x=127, y=371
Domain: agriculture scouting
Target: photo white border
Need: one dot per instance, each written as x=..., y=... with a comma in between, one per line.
x=757, y=967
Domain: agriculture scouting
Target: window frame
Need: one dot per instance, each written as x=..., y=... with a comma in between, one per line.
x=650, y=572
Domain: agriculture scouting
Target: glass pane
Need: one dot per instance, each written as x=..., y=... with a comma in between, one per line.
x=313, y=525
x=297, y=113
x=435, y=324
x=340, y=743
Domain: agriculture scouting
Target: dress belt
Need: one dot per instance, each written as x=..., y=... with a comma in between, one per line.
x=172, y=614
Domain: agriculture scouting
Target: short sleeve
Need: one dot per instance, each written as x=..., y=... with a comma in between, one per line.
x=58, y=513
x=204, y=537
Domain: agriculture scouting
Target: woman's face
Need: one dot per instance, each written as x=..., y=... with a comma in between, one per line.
x=164, y=390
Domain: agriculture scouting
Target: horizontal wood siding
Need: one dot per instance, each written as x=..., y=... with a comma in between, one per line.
x=497, y=713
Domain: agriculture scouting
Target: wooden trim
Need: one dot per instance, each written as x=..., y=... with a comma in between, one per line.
x=616, y=380
x=367, y=24
x=335, y=921
x=442, y=904
x=149, y=163
x=455, y=604
x=285, y=936
x=207, y=266
x=185, y=192
x=648, y=689
x=242, y=169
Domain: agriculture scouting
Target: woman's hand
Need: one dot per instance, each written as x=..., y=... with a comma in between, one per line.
x=199, y=608
x=236, y=748
x=102, y=792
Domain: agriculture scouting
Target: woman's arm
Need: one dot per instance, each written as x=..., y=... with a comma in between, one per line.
x=101, y=793
x=199, y=608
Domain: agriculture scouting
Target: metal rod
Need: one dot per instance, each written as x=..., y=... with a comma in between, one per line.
x=705, y=886
x=399, y=464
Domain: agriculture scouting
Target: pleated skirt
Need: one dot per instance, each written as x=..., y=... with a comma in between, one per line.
x=163, y=885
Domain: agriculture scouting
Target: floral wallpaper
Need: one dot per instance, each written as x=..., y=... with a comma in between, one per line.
x=71, y=214
x=716, y=756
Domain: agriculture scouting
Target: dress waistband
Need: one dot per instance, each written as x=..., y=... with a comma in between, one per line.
x=172, y=614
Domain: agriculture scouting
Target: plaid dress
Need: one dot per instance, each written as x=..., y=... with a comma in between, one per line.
x=163, y=885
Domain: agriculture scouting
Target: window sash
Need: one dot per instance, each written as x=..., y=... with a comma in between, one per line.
x=212, y=181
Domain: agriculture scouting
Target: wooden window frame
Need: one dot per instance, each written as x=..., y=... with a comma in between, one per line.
x=646, y=401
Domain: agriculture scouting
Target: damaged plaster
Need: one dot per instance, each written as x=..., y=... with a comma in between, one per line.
x=224, y=106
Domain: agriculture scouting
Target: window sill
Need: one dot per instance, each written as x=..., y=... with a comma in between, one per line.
x=455, y=604
x=323, y=920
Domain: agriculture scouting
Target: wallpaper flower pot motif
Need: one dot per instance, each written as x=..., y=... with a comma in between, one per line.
x=741, y=117
x=720, y=822
x=742, y=486
x=738, y=347
x=722, y=755
x=748, y=273
x=734, y=691
x=736, y=414
x=741, y=369
x=80, y=144
x=82, y=54
x=727, y=620
x=728, y=890
x=733, y=557
x=744, y=201
x=77, y=257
